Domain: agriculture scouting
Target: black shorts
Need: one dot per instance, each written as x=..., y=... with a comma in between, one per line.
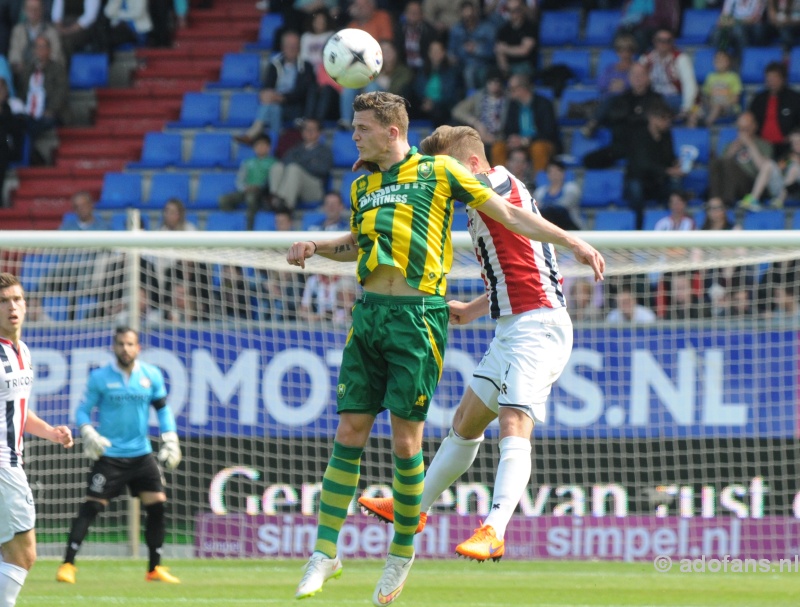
x=110, y=475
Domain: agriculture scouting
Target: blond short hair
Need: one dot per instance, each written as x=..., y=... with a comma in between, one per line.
x=460, y=142
x=390, y=109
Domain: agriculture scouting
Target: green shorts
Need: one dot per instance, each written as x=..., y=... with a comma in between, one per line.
x=393, y=356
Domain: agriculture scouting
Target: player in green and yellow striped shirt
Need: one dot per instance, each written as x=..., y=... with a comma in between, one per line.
x=400, y=223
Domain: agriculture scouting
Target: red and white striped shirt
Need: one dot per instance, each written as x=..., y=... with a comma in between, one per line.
x=520, y=274
x=16, y=381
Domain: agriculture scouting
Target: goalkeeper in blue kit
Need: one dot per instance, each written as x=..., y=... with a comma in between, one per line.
x=122, y=392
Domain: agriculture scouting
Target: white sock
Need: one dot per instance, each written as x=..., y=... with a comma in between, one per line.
x=11, y=580
x=513, y=474
x=453, y=458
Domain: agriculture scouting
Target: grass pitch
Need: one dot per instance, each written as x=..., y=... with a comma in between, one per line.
x=432, y=583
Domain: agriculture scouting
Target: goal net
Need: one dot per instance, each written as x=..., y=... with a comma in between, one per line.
x=673, y=429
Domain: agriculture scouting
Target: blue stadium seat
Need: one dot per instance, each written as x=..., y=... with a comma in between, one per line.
x=460, y=219
x=559, y=27
x=755, y=59
x=120, y=190
x=264, y=221
x=578, y=60
x=768, y=219
x=242, y=108
x=600, y=27
x=164, y=185
x=698, y=137
x=697, y=25
x=605, y=58
x=35, y=266
x=210, y=186
x=56, y=308
x=344, y=149
x=348, y=178
x=119, y=221
x=796, y=220
x=238, y=70
x=621, y=219
x=270, y=23
x=696, y=181
x=602, y=187
x=700, y=217
x=574, y=95
x=725, y=135
x=794, y=66
x=211, y=150
x=580, y=145
x=159, y=151
x=226, y=221
x=88, y=70
x=198, y=110
x=703, y=63
x=312, y=218
x=541, y=177
x=651, y=217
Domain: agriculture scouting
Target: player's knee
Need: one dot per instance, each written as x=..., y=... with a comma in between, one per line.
x=456, y=436
x=90, y=509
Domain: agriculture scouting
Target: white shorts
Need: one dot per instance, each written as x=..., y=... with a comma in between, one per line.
x=17, y=512
x=527, y=355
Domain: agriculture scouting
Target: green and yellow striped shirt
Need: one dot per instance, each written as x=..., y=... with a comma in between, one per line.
x=402, y=217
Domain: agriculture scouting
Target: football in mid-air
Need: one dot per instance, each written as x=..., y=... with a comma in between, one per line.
x=352, y=58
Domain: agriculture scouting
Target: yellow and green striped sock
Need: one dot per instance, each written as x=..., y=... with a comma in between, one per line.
x=409, y=476
x=338, y=488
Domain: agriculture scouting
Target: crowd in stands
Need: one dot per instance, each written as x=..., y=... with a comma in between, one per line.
x=481, y=63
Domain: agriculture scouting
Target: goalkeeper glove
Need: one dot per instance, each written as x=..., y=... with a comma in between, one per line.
x=170, y=453
x=94, y=444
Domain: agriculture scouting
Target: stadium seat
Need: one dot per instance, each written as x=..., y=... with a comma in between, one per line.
x=725, y=135
x=703, y=60
x=344, y=150
x=696, y=182
x=460, y=219
x=697, y=25
x=159, y=151
x=541, y=177
x=264, y=221
x=211, y=150
x=651, y=217
x=578, y=60
x=621, y=219
x=311, y=219
x=119, y=221
x=164, y=185
x=574, y=95
x=344, y=187
x=270, y=23
x=559, y=27
x=35, y=266
x=796, y=220
x=697, y=137
x=88, y=70
x=226, y=221
x=605, y=58
x=768, y=219
x=56, y=307
x=600, y=27
x=120, y=190
x=198, y=110
x=794, y=66
x=755, y=59
x=243, y=152
x=602, y=187
x=580, y=145
x=239, y=70
x=210, y=186
x=242, y=108
x=700, y=217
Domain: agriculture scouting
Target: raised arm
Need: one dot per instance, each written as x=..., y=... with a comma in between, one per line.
x=343, y=248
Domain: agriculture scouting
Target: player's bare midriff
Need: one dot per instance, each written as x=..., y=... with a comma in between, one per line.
x=388, y=280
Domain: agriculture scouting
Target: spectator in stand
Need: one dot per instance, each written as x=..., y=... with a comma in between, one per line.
x=583, y=305
x=740, y=24
x=21, y=52
x=780, y=179
x=252, y=180
x=126, y=22
x=717, y=216
x=395, y=77
x=739, y=301
x=75, y=22
x=530, y=123
x=642, y=18
x=303, y=171
x=312, y=41
x=187, y=292
x=784, y=17
x=518, y=164
x=470, y=46
x=785, y=308
x=45, y=88
x=652, y=171
x=628, y=310
x=485, y=110
x=336, y=218
x=679, y=300
x=376, y=22
x=173, y=217
x=560, y=201
x=614, y=78
x=443, y=14
x=776, y=108
x=83, y=216
x=414, y=36
x=12, y=135
x=288, y=92
x=733, y=175
x=672, y=74
x=181, y=8
x=282, y=290
x=515, y=47
x=237, y=295
x=679, y=217
x=716, y=281
x=437, y=87
x=327, y=298
x=721, y=93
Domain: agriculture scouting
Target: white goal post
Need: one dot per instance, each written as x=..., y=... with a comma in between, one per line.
x=677, y=429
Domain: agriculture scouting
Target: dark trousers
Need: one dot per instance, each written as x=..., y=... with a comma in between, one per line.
x=728, y=180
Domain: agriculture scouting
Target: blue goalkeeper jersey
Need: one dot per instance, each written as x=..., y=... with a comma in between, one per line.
x=123, y=407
